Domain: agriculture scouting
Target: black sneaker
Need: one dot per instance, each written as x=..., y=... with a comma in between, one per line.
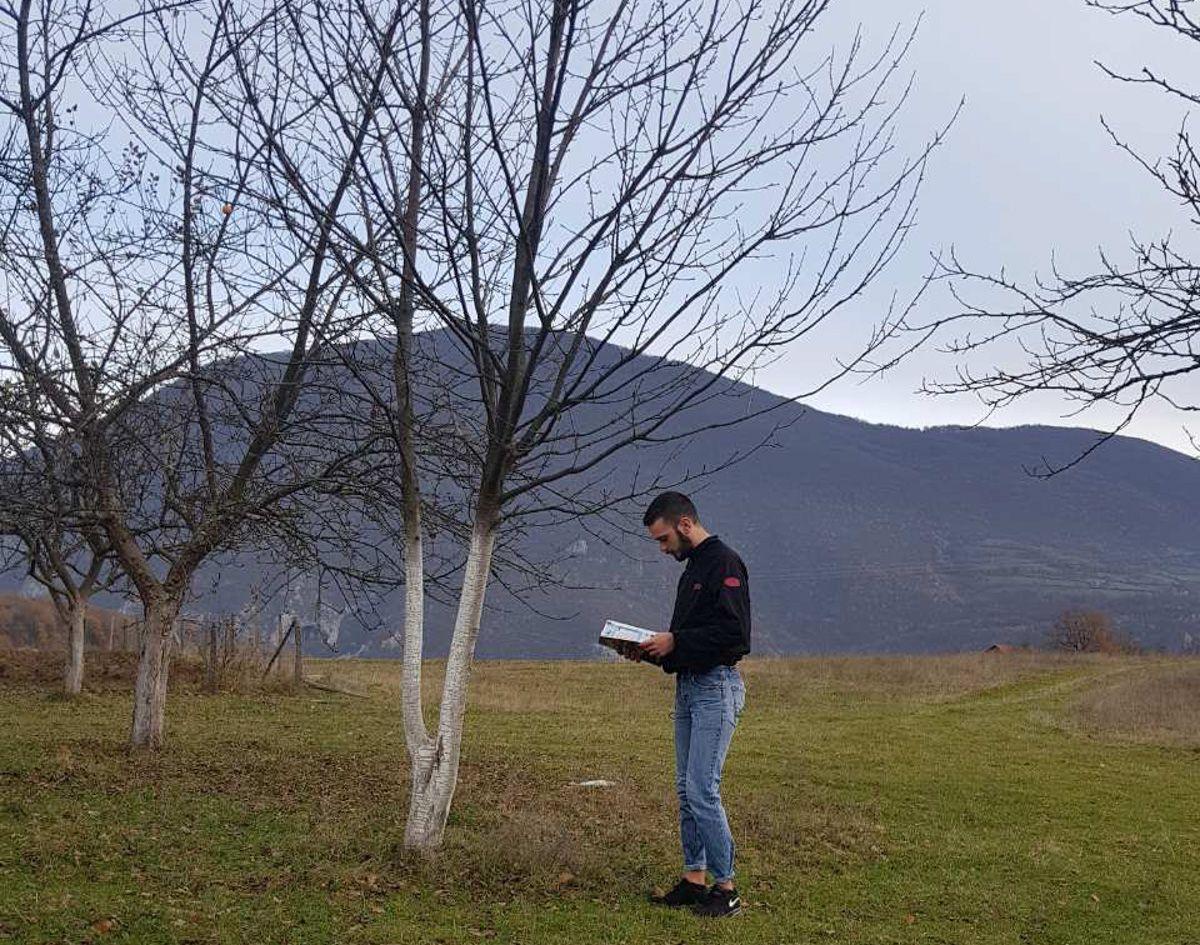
x=719, y=903
x=683, y=893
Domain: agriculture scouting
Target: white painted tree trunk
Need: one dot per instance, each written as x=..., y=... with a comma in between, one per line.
x=435, y=762
x=415, y=734
x=73, y=679
x=150, y=690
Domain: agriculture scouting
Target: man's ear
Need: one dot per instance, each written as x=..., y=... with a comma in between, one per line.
x=685, y=524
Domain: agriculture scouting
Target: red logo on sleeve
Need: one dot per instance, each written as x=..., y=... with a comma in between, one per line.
x=732, y=582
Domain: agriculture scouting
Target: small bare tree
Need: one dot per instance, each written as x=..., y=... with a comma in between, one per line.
x=611, y=213
x=143, y=289
x=40, y=489
x=1088, y=631
x=71, y=568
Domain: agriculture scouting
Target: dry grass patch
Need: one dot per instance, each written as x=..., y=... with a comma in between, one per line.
x=115, y=671
x=378, y=677
x=512, y=686
x=526, y=687
x=1161, y=705
x=903, y=678
x=103, y=671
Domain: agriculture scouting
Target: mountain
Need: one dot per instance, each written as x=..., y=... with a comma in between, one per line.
x=858, y=537
x=861, y=537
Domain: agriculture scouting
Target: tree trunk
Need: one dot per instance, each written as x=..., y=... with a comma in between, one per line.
x=434, y=776
x=415, y=733
x=210, y=671
x=73, y=680
x=298, y=652
x=150, y=690
x=435, y=767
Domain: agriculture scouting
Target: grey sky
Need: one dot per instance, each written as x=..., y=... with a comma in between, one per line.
x=1027, y=172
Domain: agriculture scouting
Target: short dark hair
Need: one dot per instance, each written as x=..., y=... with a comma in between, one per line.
x=670, y=507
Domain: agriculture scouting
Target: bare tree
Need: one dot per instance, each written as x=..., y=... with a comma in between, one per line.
x=45, y=158
x=1125, y=334
x=1088, y=631
x=69, y=562
x=611, y=214
x=139, y=315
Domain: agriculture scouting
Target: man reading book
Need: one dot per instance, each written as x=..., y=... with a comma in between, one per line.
x=709, y=633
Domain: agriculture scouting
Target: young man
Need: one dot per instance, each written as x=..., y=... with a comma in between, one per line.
x=710, y=632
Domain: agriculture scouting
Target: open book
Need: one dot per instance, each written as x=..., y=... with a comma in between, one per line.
x=625, y=638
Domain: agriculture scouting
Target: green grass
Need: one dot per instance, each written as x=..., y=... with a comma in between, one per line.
x=953, y=799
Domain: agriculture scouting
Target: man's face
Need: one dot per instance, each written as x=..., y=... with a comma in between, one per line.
x=673, y=539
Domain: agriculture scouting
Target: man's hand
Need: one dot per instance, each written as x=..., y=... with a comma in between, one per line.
x=659, y=645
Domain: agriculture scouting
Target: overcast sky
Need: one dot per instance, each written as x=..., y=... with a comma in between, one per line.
x=1026, y=172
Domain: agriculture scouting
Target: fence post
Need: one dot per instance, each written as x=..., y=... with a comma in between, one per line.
x=298, y=651
x=210, y=671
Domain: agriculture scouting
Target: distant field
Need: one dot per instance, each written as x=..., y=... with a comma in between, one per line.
x=972, y=799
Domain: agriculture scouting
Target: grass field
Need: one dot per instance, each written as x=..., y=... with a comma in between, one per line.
x=968, y=799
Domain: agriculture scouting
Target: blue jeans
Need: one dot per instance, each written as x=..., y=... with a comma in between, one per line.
x=707, y=706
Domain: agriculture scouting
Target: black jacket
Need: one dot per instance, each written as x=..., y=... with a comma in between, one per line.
x=711, y=621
